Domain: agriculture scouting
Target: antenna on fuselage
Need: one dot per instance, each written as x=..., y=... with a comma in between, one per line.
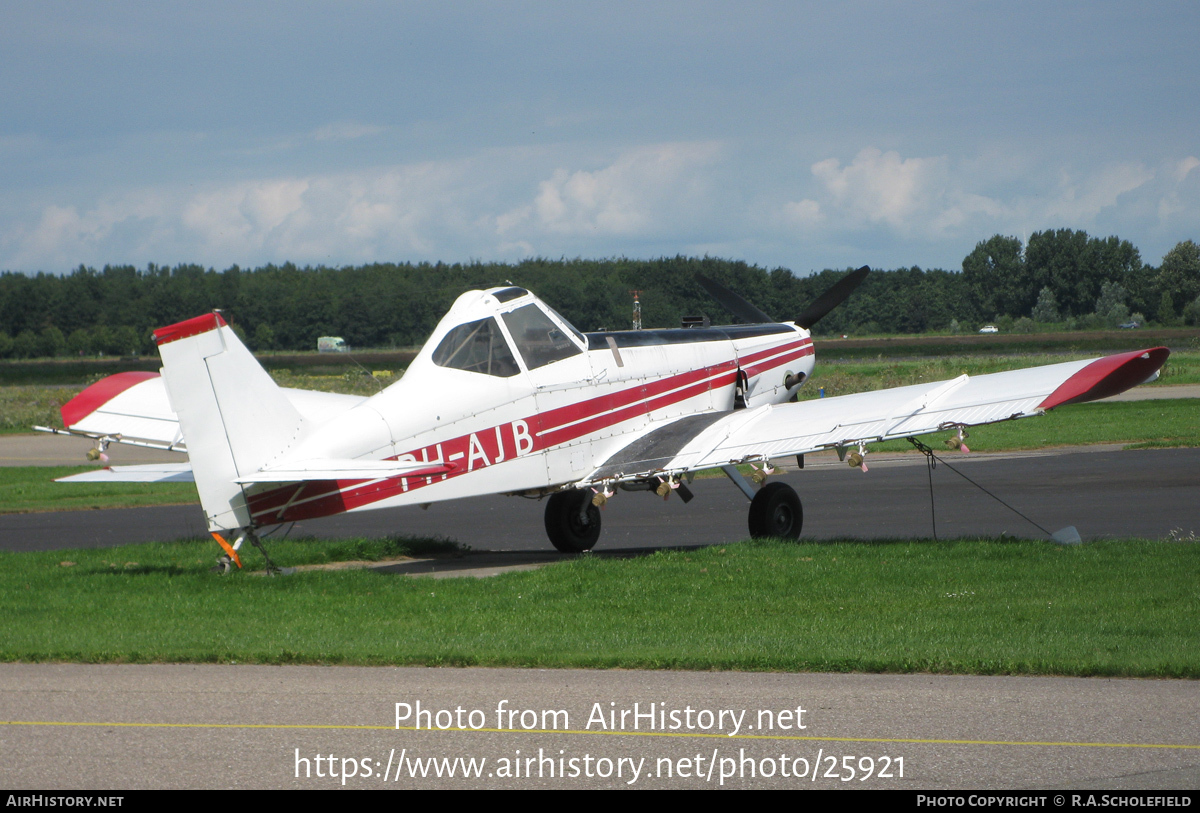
x=637, y=311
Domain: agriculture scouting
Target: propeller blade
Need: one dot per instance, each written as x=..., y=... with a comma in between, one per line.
x=832, y=298
x=733, y=303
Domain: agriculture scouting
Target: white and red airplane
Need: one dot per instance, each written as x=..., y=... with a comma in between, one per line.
x=507, y=397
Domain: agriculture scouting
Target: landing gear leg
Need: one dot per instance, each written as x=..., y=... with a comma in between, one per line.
x=272, y=568
x=776, y=512
x=225, y=562
x=572, y=522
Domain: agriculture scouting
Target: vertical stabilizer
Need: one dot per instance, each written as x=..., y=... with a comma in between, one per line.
x=233, y=416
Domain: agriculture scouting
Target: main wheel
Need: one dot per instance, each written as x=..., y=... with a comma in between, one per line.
x=568, y=531
x=776, y=511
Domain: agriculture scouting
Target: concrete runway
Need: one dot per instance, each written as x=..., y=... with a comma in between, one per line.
x=195, y=726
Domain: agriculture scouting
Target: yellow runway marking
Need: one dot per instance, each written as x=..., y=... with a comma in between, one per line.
x=790, y=738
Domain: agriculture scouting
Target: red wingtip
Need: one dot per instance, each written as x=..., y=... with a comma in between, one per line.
x=191, y=327
x=1108, y=376
x=99, y=394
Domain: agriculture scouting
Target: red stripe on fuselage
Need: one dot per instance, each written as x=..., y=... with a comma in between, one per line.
x=500, y=443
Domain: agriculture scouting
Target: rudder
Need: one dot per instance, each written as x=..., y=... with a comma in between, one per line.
x=233, y=416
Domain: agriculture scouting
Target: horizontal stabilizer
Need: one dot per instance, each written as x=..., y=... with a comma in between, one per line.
x=132, y=408
x=130, y=405
x=149, y=473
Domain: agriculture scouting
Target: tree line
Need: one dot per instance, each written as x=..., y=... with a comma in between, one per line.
x=1059, y=279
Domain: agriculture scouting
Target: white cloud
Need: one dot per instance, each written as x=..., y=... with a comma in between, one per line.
x=1175, y=200
x=939, y=200
x=882, y=187
x=642, y=191
x=1184, y=167
x=803, y=214
x=648, y=200
x=242, y=215
x=1079, y=201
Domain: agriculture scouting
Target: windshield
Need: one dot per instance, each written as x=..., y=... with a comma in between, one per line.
x=477, y=347
x=538, y=339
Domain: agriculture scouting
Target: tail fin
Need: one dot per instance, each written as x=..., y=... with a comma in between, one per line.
x=233, y=417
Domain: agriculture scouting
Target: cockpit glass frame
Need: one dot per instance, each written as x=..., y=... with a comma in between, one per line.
x=477, y=347
x=538, y=338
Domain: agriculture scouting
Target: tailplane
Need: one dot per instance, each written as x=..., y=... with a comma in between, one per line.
x=234, y=418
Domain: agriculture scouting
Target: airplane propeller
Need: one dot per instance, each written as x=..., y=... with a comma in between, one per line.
x=733, y=303
x=751, y=314
x=832, y=298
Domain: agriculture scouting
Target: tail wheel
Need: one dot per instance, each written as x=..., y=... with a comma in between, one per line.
x=776, y=511
x=572, y=527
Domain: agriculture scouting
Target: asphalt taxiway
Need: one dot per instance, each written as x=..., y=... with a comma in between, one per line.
x=1101, y=491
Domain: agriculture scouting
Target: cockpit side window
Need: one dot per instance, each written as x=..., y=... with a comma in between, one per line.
x=477, y=347
x=538, y=339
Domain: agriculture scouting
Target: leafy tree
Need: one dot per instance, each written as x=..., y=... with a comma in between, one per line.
x=996, y=276
x=1166, y=309
x=79, y=343
x=1191, y=313
x=1075, y=266
x=1046, y=309
x=1179, y=275
x=264, y=337
x=51, y=342
x=25, y=346
x=1110, y=306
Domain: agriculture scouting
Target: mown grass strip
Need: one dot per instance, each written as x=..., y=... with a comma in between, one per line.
x=1140, y=424
x=968, y=606
x=863, y=375
x=32, y=488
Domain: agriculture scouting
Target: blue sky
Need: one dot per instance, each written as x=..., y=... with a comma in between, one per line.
x=807, y=135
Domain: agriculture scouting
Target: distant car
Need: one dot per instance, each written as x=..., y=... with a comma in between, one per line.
x=1130, y=326
x=989, y=329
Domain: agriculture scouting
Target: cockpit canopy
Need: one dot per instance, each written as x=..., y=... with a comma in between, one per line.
x=539, y=335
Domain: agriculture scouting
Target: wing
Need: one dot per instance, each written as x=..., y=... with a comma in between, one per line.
x=133, y=408
x=781, y=430
x=149, y=473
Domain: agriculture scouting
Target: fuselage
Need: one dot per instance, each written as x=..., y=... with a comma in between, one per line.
x=513, y=399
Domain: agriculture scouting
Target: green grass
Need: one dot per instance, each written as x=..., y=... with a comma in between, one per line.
x=23, y=407
x=32, y=488
x=1139, y=424
x=27, y=405
x=846, y=377
x=968, y=606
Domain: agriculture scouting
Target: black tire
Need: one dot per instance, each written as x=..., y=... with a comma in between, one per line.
x=776, y=512
x=567, y=532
